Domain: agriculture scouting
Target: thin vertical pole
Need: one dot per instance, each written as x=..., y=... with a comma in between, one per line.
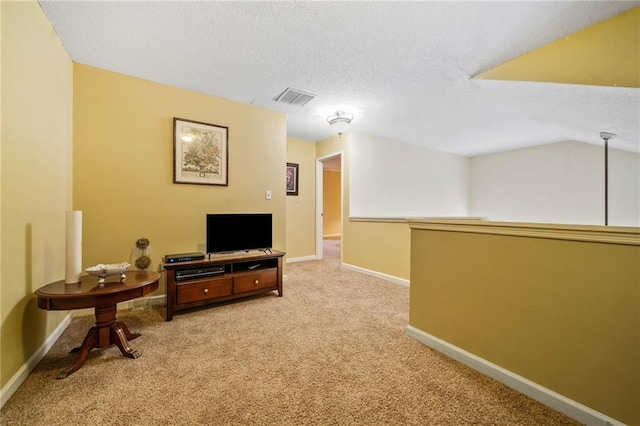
x=606, y=182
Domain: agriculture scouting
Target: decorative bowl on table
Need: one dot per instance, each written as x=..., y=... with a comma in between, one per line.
x=105, y=270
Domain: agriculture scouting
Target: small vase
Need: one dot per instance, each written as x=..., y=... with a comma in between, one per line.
x=142, y=258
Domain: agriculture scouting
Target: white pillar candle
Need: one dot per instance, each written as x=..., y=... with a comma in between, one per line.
x=73, y=268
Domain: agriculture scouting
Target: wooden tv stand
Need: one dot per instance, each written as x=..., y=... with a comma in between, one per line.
x=221, y=277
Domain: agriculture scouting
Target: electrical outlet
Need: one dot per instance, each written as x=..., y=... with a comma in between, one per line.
x=267, y=195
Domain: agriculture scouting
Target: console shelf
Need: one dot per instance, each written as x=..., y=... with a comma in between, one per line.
x=221, y=277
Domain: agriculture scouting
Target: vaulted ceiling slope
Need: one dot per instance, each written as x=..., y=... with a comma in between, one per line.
x=404, y=69
x=604, y=54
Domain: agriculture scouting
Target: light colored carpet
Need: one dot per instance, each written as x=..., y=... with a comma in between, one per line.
x=332, y=351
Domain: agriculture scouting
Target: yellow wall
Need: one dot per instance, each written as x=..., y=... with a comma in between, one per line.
x=301, y=208
x=562, y=313
x=380, y=246
x=123, y=166
x=604, y=54
x=37, y=99
x=331, y=202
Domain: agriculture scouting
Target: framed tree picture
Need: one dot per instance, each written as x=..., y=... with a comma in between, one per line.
x=200, y=153
x=292, y=179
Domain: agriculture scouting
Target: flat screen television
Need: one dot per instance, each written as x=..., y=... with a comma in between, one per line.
x=230, y=232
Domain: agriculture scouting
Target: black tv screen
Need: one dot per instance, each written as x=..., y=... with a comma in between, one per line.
x=229, y=232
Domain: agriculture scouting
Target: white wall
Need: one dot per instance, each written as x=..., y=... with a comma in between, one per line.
x=395, y=179
x=556, y=183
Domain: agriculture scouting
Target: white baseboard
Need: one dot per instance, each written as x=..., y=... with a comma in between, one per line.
x=533, y=390
x=153, y=301
x=301, y=259
x=376, y=274
x=23, y=372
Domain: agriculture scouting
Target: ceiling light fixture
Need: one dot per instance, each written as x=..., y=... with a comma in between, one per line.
x=606, y=136
x=340, y=122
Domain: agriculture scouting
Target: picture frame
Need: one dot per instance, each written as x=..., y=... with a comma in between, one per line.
x=200, y=153
x=292, y=179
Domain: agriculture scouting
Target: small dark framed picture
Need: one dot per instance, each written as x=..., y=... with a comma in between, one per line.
x=292, y=179
x=200, y=153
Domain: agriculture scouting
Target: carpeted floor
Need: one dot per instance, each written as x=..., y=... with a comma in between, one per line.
x=332, y=351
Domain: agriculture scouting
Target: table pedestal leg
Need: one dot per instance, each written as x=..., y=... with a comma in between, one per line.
x=105, y=333
x=129, y=335
x=118, y=336
x=90, y=342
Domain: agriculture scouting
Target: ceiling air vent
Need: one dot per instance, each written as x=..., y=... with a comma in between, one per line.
x=294, y=97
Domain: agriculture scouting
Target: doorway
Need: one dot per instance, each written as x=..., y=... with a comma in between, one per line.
x=329, y=178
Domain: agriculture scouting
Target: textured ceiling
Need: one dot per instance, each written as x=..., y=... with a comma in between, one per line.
x=403, y=68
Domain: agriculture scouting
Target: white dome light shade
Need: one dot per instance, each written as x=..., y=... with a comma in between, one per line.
x=340, y=122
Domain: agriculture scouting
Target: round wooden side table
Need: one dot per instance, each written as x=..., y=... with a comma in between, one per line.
x=104, y=298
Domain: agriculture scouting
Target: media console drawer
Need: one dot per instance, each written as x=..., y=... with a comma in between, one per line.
x=241, y=274
x=265, y=278
x=203, y=290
